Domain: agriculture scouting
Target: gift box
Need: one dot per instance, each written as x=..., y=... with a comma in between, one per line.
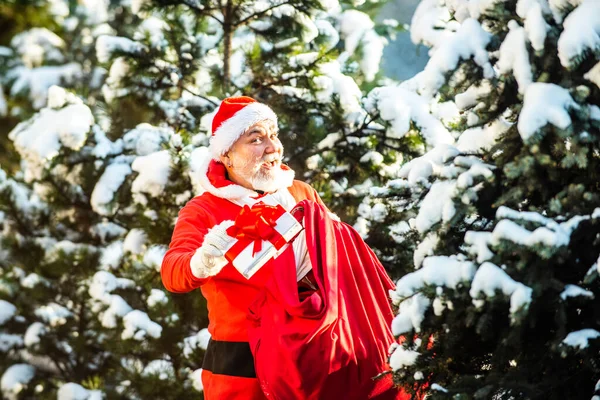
x=262, y=232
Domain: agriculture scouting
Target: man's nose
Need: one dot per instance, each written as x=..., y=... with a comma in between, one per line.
x=273, y=146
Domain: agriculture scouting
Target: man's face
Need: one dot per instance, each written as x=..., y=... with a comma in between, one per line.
x=254, y=160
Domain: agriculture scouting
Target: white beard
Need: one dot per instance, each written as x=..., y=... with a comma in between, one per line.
x=268, y=182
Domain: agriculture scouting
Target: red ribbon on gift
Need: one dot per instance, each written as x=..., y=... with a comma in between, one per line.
x=253, y=225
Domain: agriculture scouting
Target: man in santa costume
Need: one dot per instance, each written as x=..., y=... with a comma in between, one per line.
x=244, y=166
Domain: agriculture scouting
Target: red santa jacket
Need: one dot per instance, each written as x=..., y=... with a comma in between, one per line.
x=228, y=294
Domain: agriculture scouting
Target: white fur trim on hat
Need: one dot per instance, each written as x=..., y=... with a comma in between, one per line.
x=230, y=130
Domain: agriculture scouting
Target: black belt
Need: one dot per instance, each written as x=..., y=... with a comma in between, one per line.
x=229, y=358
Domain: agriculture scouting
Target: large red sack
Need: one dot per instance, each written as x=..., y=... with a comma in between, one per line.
x=334, y=342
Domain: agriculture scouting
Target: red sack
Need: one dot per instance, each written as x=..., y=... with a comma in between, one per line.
x=331, y=344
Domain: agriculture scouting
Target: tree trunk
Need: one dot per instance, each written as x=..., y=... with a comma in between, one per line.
x=227, y=36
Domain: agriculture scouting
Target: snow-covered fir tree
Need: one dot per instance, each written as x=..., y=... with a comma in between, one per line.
x=499, y=217
x=108, y=155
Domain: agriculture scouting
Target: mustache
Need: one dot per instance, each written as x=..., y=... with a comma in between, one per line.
x=270, y=158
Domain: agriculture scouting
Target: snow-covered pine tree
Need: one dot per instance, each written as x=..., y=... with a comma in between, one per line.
x=87, y=216
x=499, y=218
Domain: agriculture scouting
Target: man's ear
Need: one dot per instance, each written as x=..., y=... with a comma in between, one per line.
x=224, y=158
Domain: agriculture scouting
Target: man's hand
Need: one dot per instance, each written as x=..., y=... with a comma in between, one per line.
x=209, y=258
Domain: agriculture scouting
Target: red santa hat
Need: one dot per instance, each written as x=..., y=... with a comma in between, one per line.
x=234, y=116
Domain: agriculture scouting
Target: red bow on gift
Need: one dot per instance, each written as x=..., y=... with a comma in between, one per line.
x=255, y=225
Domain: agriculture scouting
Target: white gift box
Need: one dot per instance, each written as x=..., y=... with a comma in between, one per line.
x=246, y=260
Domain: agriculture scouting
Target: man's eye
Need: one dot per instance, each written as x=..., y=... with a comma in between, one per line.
x=256, y=140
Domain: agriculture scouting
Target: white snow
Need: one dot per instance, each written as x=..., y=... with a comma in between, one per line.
x=15, y=379
x=135, y=241
x=138, y=325
x=53, y=314
x=74, y=391
x=514, y=56
x=580, y=339
x=192, y=343
x=402, y=357
x=544, y=103
x=429, y=16
x=535, y=25
x=10, y=341
x=154, y=256
x=117, y=308
x=560, y=7
x=437, y=206
x=438, y=388
x=472, y=95
x=163, y=369
x=58, y=97
x=196, y=378
x=482, y=138
x=104, y=282
x=112, y=89
x=33, y=334
x=593, y=75
x=7, y=311
x=146, y=139
x=511, y=231
x=104, y=192
x=417, y=169
x=333, y=81
x=478, y=245
x=468, y=42
x=106, y=231
x=439, y=271
x=356, y=28
x=581, y=32
x=107, y=45
x=40, y=138
x=39, y=80
x=490, y=278
x=425, y=249
x=153, y=29
x=575, y=291
x=372, y=157
x=37, y=45
x=329, y=33
x=153, y=174
x=410, y=315
x=111, y=256
x=157, y=296
x=398, y=230
x=400, y=106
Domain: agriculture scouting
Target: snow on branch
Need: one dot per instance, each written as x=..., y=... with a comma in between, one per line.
x=490, y=278
x=400, y=106
x=544, y=103
x=107, y=45
x=581, y=34
x=469, y=41
x=439, y=271
x=580, y=339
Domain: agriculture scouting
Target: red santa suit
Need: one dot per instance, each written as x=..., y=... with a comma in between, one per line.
x=228, y=368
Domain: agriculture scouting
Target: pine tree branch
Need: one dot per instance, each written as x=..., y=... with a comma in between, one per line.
x=205, y=12
x=200, y=96
x=260, y=14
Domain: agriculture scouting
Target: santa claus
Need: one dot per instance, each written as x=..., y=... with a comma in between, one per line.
x=245, y=166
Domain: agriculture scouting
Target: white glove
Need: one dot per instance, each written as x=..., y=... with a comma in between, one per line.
x=209, y=259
